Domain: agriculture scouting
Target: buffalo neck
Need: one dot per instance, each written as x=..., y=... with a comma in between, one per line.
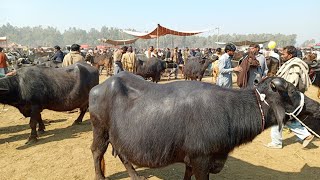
x=247, y=122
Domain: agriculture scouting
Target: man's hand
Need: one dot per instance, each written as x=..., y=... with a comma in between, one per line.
x=237, y=69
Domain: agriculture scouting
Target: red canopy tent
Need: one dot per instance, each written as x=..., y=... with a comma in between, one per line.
x=161, y=31
x=119, y=42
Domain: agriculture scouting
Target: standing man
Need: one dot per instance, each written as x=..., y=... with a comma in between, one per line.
x=117, y=56
x=73, y=56
x=260, y=71
x=215, y=65
x=58, y=55
x=174, y=55
x=185, y=54
x=225, y=69
x=168, y=54
x=128, y=60
x=149, y=52
x=295, y=71
x=3, y=62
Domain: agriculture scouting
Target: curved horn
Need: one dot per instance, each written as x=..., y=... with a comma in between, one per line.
x=279, y=84
x=314, y=64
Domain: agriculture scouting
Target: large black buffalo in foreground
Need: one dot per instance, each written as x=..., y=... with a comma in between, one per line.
x=36, y=88
x=154, y=125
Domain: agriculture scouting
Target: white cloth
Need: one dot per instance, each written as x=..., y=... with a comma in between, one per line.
x=275, y=55
x=294, y=69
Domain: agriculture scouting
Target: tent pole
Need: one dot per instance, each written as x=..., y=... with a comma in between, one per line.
x=158, y=38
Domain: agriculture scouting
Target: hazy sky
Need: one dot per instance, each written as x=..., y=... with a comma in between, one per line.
x=241, y=17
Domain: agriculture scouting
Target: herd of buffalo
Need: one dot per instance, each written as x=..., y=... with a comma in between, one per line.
x=154, y=125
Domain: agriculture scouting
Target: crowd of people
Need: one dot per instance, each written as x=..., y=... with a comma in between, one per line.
x=252, y=66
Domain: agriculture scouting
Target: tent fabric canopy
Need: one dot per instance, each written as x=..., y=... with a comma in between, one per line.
x=119, y=42
x=247, y=43
x=3, y=39
x=161, y=31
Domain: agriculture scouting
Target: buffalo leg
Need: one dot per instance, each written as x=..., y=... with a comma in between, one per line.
x=34, y=119
x=83, y=110
x=188, y=173
x=98, y=148
x=200, y=167
x=41, y=127
x=132, y=172
x=200, y=78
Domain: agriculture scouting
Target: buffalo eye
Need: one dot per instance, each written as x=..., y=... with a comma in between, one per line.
x=273, y=87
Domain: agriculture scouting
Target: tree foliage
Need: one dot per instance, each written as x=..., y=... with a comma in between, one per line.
x=308, y=42
x=50, y=36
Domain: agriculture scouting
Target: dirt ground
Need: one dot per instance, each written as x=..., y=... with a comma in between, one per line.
x=63, y=152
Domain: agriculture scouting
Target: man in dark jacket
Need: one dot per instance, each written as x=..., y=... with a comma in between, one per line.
x=58, y=55
x=299, y=53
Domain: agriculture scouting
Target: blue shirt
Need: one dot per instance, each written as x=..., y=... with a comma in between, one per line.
x=225, y=71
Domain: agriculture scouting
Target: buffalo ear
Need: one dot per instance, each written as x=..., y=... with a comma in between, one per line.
x=3, y=90
x=279, y=84
x=280, y=114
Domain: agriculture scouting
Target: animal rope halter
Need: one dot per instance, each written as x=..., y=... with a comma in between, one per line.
x=261, y=97
x=294, y=114
x=298, y=110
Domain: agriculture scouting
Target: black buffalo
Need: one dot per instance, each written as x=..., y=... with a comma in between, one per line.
x=35, y=88
x=195, y=67
x=154, y=125
x=150, y=68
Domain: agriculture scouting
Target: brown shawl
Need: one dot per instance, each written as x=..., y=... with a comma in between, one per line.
x=247, y=62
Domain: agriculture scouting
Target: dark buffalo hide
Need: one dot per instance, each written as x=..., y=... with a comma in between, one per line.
x=150, y=68
x=35, y=88
x=154, y=125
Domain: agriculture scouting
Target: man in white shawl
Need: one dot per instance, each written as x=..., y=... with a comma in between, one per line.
x=294, y=70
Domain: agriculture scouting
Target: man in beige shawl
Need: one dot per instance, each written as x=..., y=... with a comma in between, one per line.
x=128, y=60
x=294, y=70
x=73, y=56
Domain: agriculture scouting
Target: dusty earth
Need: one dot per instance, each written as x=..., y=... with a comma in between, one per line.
x=63, y=152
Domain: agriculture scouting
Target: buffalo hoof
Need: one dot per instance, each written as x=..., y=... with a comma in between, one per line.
x=32, y=140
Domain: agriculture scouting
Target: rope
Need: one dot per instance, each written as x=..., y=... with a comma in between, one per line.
x=305, y=126
x=297, y=111
x=261, y=111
